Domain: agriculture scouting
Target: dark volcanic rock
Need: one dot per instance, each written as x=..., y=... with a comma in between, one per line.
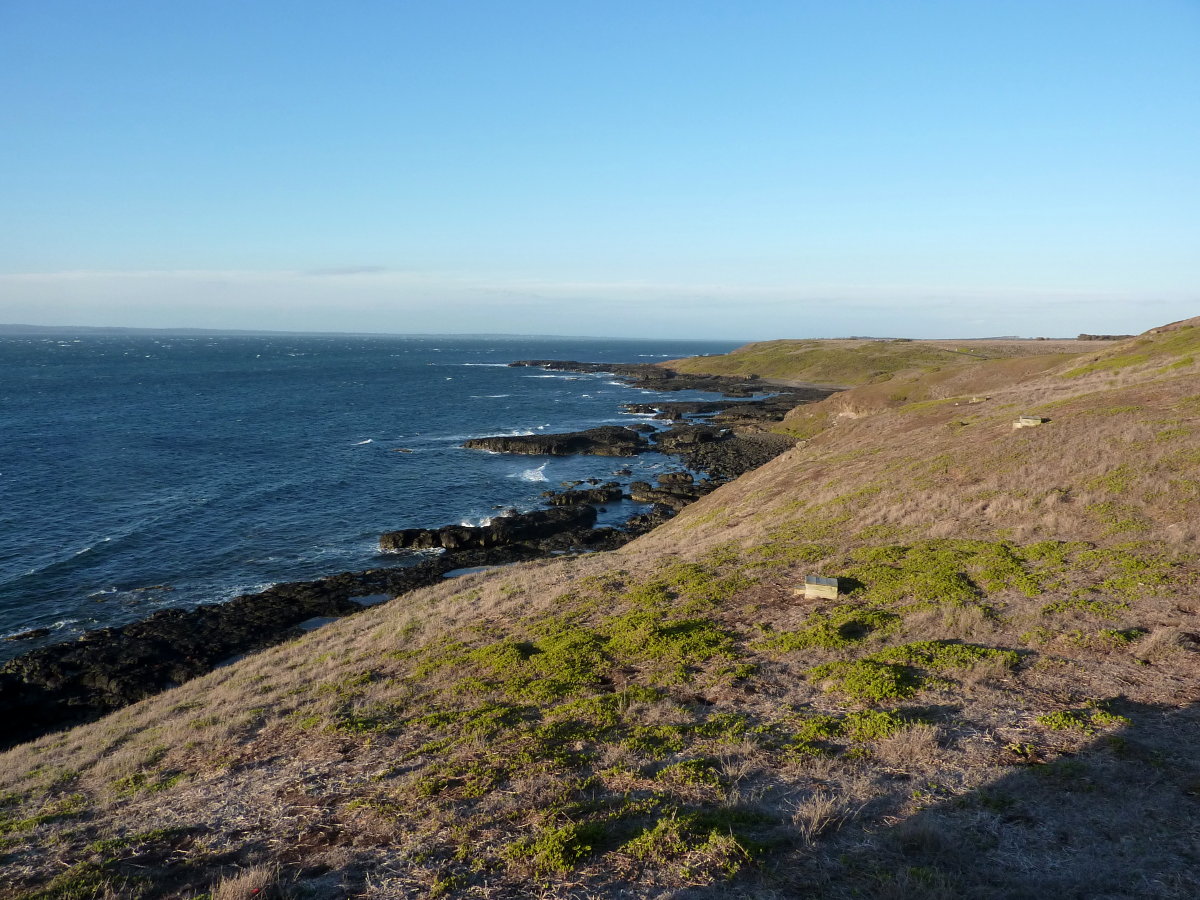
x=502, y=530
x=675, y=497
x=68, y=683
x=683, y=438
x=607, y=493
x=733, y=411
x=655, y=378
x=29, y=635
x=675, y=478
x=735, y=455
x=607, y=440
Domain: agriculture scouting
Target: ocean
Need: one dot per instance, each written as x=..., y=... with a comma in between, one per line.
x=139, y=473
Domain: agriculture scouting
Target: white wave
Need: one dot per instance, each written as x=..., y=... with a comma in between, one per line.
x=477, y=521
x=89, y=548
x=486, y=365
x=537, y=474
x=367, y=441
x=489, y=396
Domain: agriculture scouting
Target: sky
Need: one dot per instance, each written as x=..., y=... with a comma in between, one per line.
x=658, y=168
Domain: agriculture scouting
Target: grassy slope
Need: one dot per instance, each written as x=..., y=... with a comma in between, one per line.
x=1006, y=686
x=852, y=362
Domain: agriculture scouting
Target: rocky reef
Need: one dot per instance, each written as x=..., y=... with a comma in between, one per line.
x=607, y=440
x=63, y=684
x=514, y=528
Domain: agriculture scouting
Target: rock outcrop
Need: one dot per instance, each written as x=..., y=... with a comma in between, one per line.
x=674, y=497
x=500, y=531
x=682, y=438
x=735, y=455
x=610, y=492
x=607, y=440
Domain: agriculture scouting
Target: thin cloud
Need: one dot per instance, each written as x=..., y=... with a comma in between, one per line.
x=348, y=270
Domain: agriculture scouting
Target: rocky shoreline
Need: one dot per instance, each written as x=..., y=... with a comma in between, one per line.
x=66, y=684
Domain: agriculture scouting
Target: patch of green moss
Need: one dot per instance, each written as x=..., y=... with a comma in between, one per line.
x=1117, y=518
x=556, y=849
x=843, y=626
x=780, y=550
x=700, y=844
x=1108, y=364
x=1120, y=575
x=723, y=726
x=68, y=807
x=562, y=661
x=1087, y=720
x=358, y=718
x=89, y=880
x=673, y=649
x=699, y=772
x=655, y=741
x=1116, y=480
x=941, y=571
x=895, y=673
x=148, y=782
x=157, y=835
x=869, y=681
x=945, y=656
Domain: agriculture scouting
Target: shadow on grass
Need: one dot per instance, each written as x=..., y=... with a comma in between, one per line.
x=1118, y=818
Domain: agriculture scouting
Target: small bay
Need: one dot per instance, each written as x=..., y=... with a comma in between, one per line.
x=139, y=473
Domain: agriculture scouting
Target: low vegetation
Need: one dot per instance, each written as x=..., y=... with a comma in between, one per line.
x=1005, y=678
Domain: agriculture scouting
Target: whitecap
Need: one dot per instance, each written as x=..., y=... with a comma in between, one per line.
x=486, y=365
x=536, y=474
x=367, y=441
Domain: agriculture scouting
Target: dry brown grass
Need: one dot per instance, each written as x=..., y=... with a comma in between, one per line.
x=819, y=814
x=258, y=883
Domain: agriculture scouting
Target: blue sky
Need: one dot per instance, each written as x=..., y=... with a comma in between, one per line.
x=685, y=169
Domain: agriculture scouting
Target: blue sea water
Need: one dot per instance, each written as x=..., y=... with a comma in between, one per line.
x=138, y=472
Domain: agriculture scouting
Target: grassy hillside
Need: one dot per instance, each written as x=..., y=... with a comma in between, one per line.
x=852, y=362
x=1001, y=703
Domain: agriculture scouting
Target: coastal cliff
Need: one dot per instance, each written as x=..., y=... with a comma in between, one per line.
x=1007, y=677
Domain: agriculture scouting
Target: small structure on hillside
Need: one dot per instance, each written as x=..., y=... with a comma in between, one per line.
x=1030, y=421
x=817, y=587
